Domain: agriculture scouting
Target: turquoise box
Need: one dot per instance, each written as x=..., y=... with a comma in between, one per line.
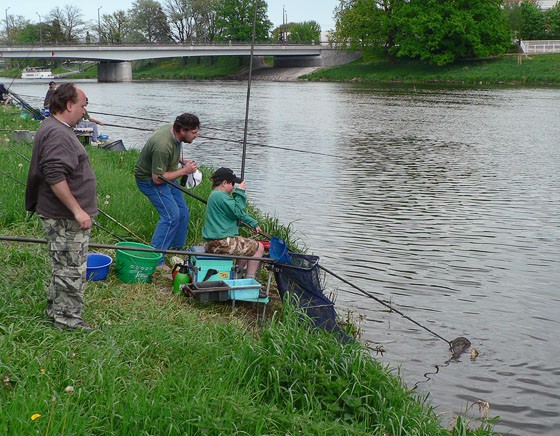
x=244, y=289
x=204, y=264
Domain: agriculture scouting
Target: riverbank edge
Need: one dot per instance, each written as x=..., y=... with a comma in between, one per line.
x=23, y=308
x=507, y=70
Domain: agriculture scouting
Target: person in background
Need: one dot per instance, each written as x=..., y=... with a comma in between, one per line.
x=4, y=95
x=52, y=87
x=89, y=122
x=226, y=206
x=61, y=189
x=163, y=156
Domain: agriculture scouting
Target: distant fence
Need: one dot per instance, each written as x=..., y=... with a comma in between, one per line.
x=540, y=47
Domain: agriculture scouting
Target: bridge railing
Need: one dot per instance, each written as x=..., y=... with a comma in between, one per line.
x=540, y=46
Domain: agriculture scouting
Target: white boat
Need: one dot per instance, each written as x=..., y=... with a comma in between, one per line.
x=36, y=73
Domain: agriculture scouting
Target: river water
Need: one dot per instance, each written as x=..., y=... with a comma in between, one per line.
x=441, y=201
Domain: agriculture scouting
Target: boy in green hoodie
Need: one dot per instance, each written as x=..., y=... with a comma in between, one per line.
x=226, y=206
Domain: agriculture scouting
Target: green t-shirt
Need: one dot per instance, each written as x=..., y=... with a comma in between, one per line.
x=223, y=211
x=160, y=154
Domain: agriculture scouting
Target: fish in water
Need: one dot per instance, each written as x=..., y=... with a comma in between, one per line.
x=459, y=345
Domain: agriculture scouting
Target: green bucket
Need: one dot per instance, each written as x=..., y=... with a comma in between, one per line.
x=136, y=266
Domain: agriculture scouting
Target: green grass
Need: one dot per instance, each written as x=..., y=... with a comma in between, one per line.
x=159, y=364
x=189, y=68
x=510, y=69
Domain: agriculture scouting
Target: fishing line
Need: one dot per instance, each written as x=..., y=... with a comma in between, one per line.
x=212, y=138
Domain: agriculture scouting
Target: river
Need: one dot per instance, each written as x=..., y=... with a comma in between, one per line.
x=442, y=201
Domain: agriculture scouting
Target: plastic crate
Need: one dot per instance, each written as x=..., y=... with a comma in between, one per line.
x=244, y=289
x=222, y=265
x=208, y=291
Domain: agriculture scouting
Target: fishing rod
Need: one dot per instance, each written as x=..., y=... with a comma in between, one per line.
x=143, y=249
x=245, y=128
x=211, y=138
x=95, y=223
x=36, y=114
x=99, y=209
x=456, y=346
x=151, y=119
x=130, y=232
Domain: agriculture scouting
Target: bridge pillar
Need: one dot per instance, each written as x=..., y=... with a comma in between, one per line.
x=114, y=71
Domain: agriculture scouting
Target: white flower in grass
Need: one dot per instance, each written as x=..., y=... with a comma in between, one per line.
x=69, y=389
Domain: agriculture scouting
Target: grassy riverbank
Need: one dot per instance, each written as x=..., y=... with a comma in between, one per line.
x=510, y=69
x=158, y=364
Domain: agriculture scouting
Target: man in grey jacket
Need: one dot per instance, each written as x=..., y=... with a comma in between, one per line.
x=61, y=189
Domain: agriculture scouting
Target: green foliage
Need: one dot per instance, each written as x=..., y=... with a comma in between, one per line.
x=306, y=31
x=442, y=32
x=432, y=31
x=235, y=18
x=532, y=21
x=364, y=24
x=187, y=68
x=148, y=23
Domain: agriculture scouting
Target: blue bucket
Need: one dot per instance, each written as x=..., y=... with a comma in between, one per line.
x=279, y=251
x=98, y=266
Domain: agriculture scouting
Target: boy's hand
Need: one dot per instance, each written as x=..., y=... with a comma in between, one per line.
x=242, y=185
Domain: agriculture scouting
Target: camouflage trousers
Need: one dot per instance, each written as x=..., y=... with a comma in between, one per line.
x=237, y=245
x=68, y=246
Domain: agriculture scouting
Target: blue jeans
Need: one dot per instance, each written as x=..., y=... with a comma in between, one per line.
x=173, y=225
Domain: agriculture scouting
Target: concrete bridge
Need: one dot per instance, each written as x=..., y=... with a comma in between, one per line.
x=115, y=60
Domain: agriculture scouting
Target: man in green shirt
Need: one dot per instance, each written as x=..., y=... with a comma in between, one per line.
x=226, y=205
x=163, y=156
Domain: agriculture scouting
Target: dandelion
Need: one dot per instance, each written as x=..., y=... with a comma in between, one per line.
x=106, y=202
x=43, y=370
x=20, y=166
x=69, y=389
x=35, y=416
x=107, y=196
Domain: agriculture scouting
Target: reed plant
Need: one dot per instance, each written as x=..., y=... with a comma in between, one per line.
x=158, y=363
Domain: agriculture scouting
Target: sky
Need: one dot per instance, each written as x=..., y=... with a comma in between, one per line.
x=296, y=10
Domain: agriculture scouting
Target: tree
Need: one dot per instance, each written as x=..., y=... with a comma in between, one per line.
x=532, y=21
x=191, y=20
x=552, y=17
x=307, y=31
x=365, y=25
x=69, y=19
x=181, y=19
x=149, y=22
x=235, y=18
x=115, y=27
x=441, y=32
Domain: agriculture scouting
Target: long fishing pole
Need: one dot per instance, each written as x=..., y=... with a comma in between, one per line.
x=457, y=345
x=245, y=128
x=212, y=138
x=122, y=226
x=143, y=249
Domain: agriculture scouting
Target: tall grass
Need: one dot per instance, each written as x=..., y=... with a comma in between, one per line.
x=158, y=364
